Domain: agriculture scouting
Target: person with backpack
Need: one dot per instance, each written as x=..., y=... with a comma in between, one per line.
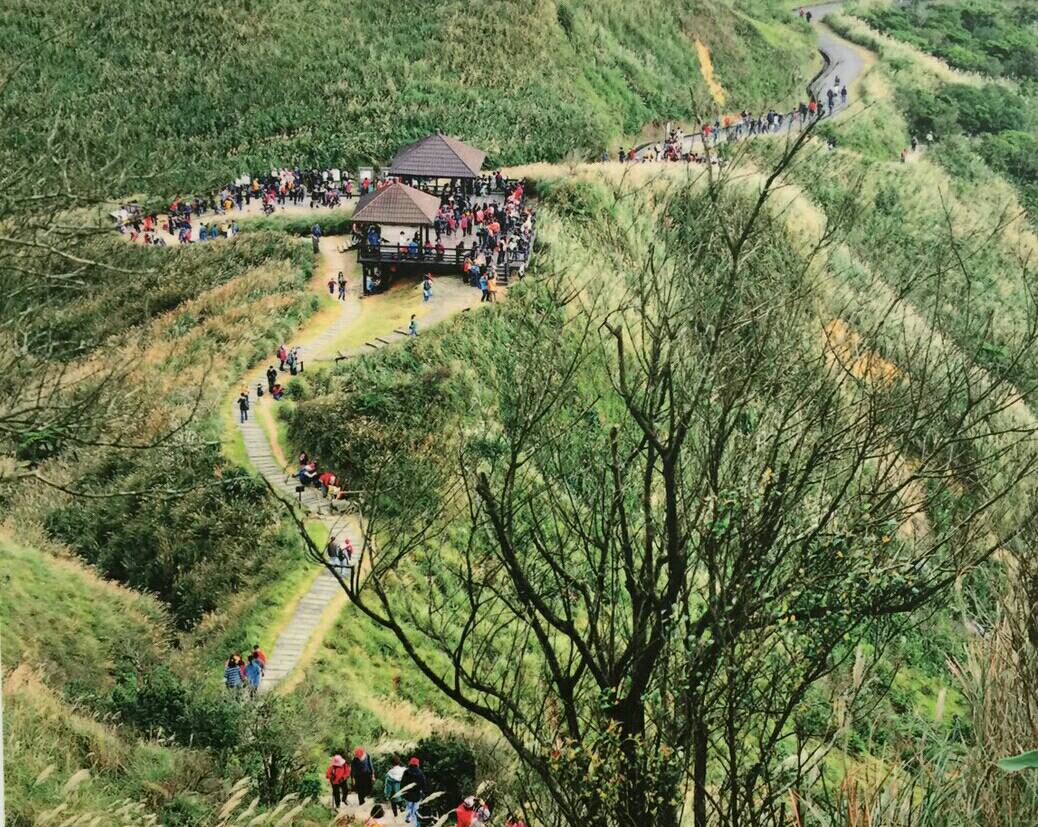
x=363, y=774
x=272, y=378
x=315, y=237
x=412, y=784
x=282, y=354
x=261, y=656
x=243, y=406
x=290, y=360
x=391, y=785
x=427, y=287
x=338, y=775
x=333, y=550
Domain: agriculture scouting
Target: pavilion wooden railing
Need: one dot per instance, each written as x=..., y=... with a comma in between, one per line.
x=514, y=261
x=478, y=190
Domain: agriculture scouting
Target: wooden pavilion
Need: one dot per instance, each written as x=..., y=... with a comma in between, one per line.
x=439, y=163
x=393, y=223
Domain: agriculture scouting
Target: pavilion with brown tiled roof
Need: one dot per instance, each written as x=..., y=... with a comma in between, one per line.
x=438, y=156
x=399, y=205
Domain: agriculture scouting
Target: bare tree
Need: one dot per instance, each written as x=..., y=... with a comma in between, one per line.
x=694, y=506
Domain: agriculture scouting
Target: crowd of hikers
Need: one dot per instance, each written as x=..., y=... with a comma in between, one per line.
x=404, y=788
x=677, y=146
x=245, y=675
x=913, y=147
x=482, y=236
x=214, y=213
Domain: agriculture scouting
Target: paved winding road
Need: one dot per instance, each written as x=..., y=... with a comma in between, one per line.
x=843, y=61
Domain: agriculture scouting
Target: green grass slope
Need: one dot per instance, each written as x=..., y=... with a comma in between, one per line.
x=194, y=94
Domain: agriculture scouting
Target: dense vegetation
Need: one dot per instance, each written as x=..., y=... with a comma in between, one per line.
x=195, y=96
x=990, y=119
x=125, y=681
x=400, y=421
x=996, y=39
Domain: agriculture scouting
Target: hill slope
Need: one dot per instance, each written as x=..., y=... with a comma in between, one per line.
x=194, y=95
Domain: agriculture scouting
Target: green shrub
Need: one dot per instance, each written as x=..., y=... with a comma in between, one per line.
x=450, y=765
x=193, y=550
x=158, y=701
x=960, y=108
x=972, y=35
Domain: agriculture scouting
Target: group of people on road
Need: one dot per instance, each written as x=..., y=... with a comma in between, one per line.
x=403, y=787
x=290, y=359
x=245, y=675
x=213, y=214
x=914, y=144
x=677, y=146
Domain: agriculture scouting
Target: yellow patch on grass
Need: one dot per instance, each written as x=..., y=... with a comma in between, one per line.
x=706, y=68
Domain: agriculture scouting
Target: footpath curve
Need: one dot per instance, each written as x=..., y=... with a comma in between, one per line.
x=841, y=59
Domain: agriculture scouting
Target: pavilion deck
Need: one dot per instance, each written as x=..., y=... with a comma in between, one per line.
x=394, y=252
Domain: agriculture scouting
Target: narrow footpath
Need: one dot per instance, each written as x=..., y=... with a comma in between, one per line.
x=317, y=609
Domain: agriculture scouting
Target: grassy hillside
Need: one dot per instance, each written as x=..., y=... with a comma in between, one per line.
x=193, y=96
x=978, y=100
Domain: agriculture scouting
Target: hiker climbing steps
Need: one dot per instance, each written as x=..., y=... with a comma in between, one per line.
x=445, y=299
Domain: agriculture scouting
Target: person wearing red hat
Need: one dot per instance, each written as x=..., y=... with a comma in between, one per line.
x=412, y=788
x=338, y=775
x=363, y=774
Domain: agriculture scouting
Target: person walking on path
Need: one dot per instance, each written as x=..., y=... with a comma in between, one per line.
x=261, y=656
x=338, y=775
x=243, y=406
x=483, y=285
x=232, y=673
x=492, y=289
x=391, y=785
x=427, y=287
x=412, y=328
x=282, y=355
x=315, y=237
x=272, y=378
x=363, y=774
x=413, y=785
x=342, y=286
x=253, y=674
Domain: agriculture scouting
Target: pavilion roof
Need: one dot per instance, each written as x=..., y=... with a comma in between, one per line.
x=397, y=204
x=438, y=156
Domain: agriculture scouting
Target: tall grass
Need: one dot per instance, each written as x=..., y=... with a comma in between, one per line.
x=207, y=94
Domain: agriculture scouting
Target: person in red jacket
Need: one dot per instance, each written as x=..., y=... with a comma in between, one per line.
x=261, y=656
x=326, y=480
x=338, y=775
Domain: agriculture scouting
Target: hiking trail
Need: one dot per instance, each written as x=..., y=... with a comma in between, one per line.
x=317, y=609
